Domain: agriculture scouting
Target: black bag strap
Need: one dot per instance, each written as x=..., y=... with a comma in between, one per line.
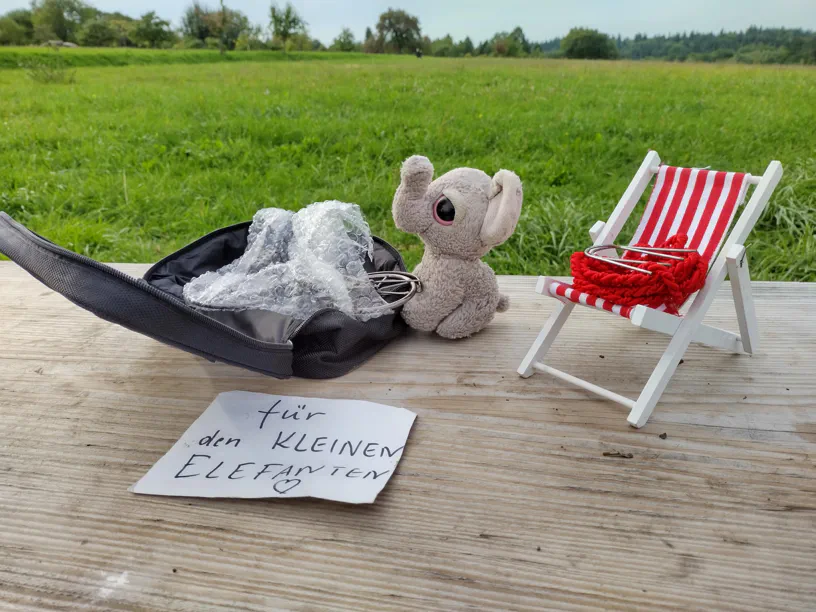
x=133, y=303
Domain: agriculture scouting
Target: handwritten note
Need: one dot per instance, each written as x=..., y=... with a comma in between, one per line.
x=256, y=445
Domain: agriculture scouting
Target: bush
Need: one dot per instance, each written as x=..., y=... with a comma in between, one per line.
x=583, y=43
x=59, y=19
x=762, y=54
x=21, y=17
x=677, y=52
x=11, y=32
x=248, y=41
x=98, y=33
x=49, y=68
x=152, y=32
x=299, y=42
x=193, y=43
x=344, y=42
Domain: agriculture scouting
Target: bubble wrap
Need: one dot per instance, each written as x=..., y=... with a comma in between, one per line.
x=296, y=264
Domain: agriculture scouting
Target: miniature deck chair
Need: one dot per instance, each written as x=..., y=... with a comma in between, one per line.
x=700, y=204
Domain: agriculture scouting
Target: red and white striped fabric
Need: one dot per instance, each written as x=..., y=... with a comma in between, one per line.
x=563, y=290
x=698, y=203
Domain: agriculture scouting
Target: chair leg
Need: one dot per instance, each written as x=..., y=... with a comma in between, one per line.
x=737, y=265
x=660, y=377
x=545, y=338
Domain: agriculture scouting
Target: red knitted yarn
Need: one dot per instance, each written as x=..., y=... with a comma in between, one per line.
x=667, y=285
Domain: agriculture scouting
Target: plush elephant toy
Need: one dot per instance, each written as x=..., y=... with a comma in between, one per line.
x=459, y=217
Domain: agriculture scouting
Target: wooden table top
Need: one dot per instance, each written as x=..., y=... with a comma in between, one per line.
x=503, y=499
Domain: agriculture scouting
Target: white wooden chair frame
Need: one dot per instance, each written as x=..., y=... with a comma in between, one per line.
x=731, y=259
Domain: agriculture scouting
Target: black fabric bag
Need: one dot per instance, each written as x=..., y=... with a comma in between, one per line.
x=327, y=344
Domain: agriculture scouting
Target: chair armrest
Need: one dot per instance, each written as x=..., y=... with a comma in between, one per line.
x=596, y=230
x=736, y=255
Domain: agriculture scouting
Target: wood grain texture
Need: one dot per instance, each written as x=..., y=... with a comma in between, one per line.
x=503, y=499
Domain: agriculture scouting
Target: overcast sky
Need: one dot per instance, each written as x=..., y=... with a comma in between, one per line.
x=480, y=19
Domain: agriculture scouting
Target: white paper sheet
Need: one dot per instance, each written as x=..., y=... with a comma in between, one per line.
x=256, y=445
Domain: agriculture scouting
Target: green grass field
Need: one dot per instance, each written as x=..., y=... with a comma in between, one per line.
x=132, y=162
x=14, y=57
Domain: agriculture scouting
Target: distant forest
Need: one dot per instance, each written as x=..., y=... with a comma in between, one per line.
x=753, y=46
x=75, y=22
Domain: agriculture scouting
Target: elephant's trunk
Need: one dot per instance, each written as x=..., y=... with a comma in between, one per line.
x=408, y=207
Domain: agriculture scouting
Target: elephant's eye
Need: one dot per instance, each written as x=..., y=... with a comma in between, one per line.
x=444, y=211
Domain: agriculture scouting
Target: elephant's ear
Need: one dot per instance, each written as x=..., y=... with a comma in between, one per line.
x=503, y=209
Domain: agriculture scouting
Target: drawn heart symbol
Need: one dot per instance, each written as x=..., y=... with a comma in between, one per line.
x=282, y=488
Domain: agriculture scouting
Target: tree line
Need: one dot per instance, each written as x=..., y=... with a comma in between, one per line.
x=396, y=31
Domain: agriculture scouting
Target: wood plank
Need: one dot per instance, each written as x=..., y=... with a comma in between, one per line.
x=503, y=499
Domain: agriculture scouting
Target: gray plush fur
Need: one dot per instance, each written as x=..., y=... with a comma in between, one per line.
x=459, y=294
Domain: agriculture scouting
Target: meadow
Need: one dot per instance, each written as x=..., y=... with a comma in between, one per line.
x=131, y=162
x=13, y=57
